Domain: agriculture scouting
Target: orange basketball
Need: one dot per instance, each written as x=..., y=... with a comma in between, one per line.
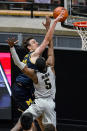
x=57, y=12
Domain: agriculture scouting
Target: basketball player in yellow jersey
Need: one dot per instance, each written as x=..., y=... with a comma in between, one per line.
x=43, y=79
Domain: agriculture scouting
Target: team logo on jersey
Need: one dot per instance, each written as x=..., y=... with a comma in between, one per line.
x=29, y=102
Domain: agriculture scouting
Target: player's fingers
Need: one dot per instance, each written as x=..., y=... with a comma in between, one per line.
x=13, y=38
x=7, y=40
x=43, y=23
x=16, y=42
x=48, y=19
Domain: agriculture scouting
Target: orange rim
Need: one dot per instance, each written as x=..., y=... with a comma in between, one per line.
x=80, y=24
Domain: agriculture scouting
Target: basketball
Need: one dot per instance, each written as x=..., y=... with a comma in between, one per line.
x=57, y=12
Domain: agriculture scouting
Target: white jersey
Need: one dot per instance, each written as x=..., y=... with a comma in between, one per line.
x=46, y=85
x=45, y=93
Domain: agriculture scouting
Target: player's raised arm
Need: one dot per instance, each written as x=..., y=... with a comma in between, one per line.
x=48, y=36
x=51, y=60
x=47, y=23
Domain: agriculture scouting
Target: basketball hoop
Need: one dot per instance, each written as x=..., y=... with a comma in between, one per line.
x=81, y=28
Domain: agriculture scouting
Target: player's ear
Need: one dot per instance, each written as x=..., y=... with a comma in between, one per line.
x=29, y=47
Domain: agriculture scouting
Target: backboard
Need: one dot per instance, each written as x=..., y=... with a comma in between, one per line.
x=77, y=12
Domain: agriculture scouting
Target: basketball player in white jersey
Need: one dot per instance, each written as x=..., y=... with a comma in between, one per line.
x=43, y=79
x=44, y=83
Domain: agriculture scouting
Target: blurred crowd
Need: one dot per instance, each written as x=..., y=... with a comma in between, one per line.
x=79, y=7
x=15, y=6
x=79, y=2
x=38, y=1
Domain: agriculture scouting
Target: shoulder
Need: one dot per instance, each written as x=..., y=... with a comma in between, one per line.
x=28, y=55
x=25, y=59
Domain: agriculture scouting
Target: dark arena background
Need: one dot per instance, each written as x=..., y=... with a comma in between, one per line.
x=23, y=19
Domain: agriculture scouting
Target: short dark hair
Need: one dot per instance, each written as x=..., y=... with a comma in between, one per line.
x=41, y=64
x=49, y=127
x=26, y=120
x=26, y=42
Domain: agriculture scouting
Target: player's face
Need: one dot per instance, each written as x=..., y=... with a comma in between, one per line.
x=33, y=44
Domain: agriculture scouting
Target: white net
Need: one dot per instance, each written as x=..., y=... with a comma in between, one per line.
x=82, y=31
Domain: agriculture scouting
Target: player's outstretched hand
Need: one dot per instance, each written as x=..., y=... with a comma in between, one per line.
x=60, y=17
x=12, y=41
x=47, y=23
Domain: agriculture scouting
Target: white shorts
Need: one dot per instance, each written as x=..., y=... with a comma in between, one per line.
x=44, y=106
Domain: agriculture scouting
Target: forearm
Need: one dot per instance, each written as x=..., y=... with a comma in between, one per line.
x=50, y=32
x=46, y=40
x=39, y=119
x=50, y=48
x=17, y=127
x=50, y=59
x=16, y=59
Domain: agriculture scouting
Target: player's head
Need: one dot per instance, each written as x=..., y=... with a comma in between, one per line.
x=41, y=64
x=26, y=120
x=49, y=127
x=30, y=44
